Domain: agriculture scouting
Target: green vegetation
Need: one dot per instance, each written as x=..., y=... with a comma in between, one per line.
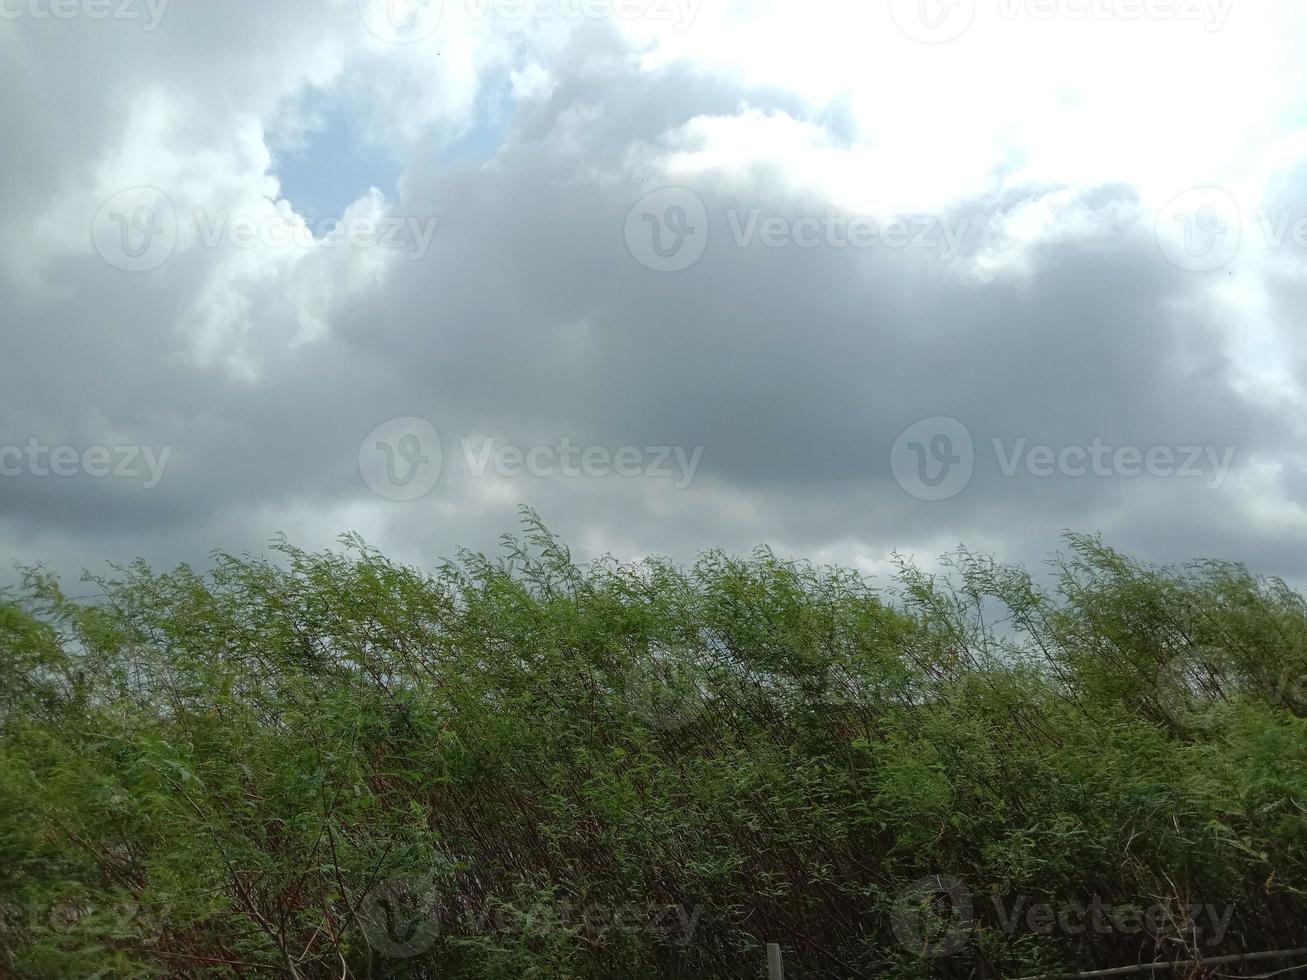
x=331, y=765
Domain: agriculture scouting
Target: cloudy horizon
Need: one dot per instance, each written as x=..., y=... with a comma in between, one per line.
x=847, y=280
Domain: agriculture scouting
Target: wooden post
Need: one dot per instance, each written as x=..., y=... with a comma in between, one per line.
x=775, y=968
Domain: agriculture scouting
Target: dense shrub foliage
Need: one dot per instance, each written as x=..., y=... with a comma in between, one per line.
x=330, y=765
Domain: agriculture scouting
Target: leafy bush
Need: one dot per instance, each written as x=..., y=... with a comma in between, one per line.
x=330, y=765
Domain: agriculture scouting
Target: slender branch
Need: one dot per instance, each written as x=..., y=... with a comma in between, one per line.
x=1122, y=971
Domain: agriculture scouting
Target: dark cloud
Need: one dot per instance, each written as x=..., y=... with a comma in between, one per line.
x=529, y=320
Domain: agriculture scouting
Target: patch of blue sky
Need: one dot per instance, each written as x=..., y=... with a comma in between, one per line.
x=332, y=163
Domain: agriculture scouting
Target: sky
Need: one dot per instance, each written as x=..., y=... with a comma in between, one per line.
x=849, y=279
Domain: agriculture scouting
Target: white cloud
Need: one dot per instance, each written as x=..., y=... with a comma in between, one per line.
x=265, y=361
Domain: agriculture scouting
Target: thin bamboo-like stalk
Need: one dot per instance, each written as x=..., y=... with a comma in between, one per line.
x=1122, y=971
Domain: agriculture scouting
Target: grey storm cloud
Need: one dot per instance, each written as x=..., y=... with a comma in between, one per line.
x=529, y=320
